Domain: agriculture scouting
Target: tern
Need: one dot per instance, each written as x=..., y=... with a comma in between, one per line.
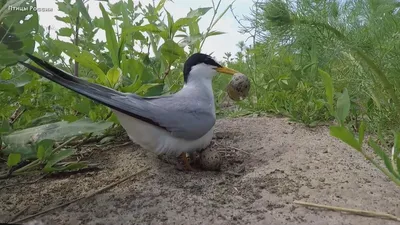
x=180, y=123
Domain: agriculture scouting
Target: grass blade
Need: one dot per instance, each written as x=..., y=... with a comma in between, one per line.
x=112, y=43
x=327, y=80
x=378, y=150
x=346, y=136
x=343, y=106
x=361, y=133
x=396, y=152
x=57, y=157
x=82, y=9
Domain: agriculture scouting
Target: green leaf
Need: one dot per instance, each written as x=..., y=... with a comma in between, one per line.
x=40, y=153
x=156, y=90
x=65, y=32
x=112, y=43
x=5, y=74
x=75, y=166
x=146, y=28
x=132, y=88
x=83, y=106
x=171, y=51
x=170, y=24
x=17, y=29
x=44, y=148
x=82, y=9
x=396, y=151
x=121, y=48
x=65, y=19
x=198, y=12
x=194, y=40
x=8, y=88
x=66, y=47
x=125, y=16
x=69, y=166
x=13, y=159
x=26, y=152
x=160, y=5
x=5, y=126
x=93, y=115
x=345, y=135
x=83, y=57
x=130, y=5
x=65, y=7
x=361, y=133
x=383, y=156
x=114, y=76
x=56, y=131
x=116, y=8
x=181, y=23
x=214, y=33
x=145, y=87
x=133, y=68
x=327, y=80
x=398, y=164
x=59, y=156
x=18, y=80
x=343, y=106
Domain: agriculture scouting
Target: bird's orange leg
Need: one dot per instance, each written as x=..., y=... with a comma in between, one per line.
x=186, y=164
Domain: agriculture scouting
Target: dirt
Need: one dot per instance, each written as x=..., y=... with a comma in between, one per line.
x=268, y=164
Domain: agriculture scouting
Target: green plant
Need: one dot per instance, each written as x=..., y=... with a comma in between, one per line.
x=143, y=53
x=351, y=44
x=16, y=30
x=49, y=159
x=341, y=132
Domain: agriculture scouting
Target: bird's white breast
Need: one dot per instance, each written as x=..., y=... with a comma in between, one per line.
x=160, y=141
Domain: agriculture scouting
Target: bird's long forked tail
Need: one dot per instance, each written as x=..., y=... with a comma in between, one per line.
x=104, y=95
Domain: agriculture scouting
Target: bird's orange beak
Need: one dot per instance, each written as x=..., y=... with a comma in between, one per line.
x=226, y=70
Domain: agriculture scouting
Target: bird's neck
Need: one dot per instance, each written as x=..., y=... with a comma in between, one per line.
x=202, y=87
x=200, y=92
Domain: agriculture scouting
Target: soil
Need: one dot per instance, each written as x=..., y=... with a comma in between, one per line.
x=268, y=164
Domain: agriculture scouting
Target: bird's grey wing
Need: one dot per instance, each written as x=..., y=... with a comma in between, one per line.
x=163, y=112
x=183, y=117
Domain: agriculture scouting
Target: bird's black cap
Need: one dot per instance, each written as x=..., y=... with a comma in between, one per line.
x=195, y=59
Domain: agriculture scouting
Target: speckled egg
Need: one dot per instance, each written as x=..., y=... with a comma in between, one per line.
x=210, y=159
x=239, y=86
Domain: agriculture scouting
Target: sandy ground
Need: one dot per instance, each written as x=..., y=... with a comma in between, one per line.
x=287, y=162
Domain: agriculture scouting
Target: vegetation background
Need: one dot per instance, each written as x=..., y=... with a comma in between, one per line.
x=318, y=62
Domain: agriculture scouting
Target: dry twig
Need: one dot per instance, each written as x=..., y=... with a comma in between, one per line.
x=353, y=211
x=19, y=213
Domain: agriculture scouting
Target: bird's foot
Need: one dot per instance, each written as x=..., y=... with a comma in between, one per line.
x=184, y=163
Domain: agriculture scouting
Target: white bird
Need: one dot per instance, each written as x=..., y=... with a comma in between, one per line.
x=177, y=124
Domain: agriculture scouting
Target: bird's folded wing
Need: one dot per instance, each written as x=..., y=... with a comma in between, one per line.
x=165, y=112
